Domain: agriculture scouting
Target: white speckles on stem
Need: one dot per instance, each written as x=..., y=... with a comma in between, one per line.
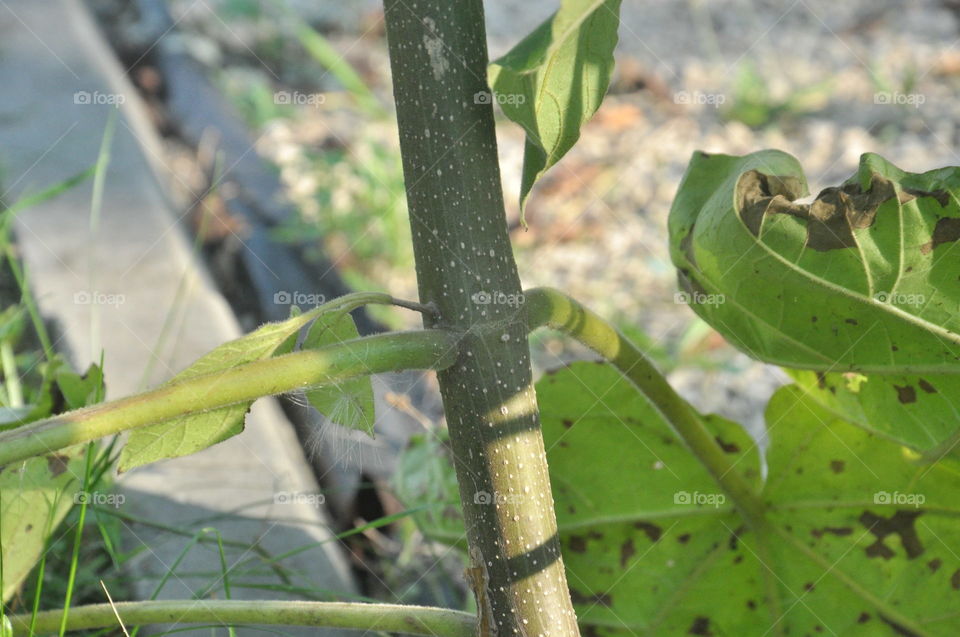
x=434, y=46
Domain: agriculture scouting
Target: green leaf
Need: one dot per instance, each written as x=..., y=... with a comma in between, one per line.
x=850, y=549
x=188, y=434
x=859, y=280
x=921, y=412
x=625, y=486
x=554, y=80
x=350, y=402
x=858, y=541
x=35, y=496
x=80, y=391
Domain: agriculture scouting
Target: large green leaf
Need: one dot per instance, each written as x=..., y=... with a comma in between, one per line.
x=554, y=80
x=859, y=540
x=862, y=279
x=188, y=434
x=35, y=496
x=849, y=549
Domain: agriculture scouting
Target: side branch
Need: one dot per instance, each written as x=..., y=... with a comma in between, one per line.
x=425, y=349
x=547, y=307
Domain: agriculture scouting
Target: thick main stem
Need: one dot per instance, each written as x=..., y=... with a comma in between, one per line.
x=244, y=383
x=410, y=620
x=552, y=308
x=465, y=267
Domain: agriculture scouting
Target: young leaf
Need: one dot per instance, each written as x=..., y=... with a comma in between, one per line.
x=34, y=496
x=350, y=402
x=859, y=280
x=554, y=80
x=189, y=434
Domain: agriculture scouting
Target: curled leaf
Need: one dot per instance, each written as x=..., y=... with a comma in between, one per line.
x=861, y=279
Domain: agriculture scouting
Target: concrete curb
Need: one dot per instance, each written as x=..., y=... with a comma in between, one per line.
x=135, y=289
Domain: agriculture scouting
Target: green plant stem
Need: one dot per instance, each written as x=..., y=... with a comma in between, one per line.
x=552, y=308
x=426, y=349
x=11, y=374
x=465, y=266
x=410, y=620
x=77, y=538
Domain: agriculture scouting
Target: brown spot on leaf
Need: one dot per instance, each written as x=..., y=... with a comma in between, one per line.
x=947, y=230
x=652, y=530
x=728, y=447
x=627, y=550
x=833, y=530
x=700, y=626
x=900, y=523
x=567, y=423
x=927, y=387
x=808, y=586
x=577, y=544
x=906, y=394
x=851, y=321
x=683, y=539
x=752, y=605
x=934, y=564
x=942, y=196
x=837, y=466
x=831, y=218
x=57, y=464
x=821, y=380
x=732, y=543
x=863, y=618
x=955, y=580
x=759, y=195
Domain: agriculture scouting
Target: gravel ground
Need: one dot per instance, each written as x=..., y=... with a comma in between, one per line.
x=825, y=81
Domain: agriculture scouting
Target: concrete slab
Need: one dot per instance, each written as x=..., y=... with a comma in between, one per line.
x=133, y=286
